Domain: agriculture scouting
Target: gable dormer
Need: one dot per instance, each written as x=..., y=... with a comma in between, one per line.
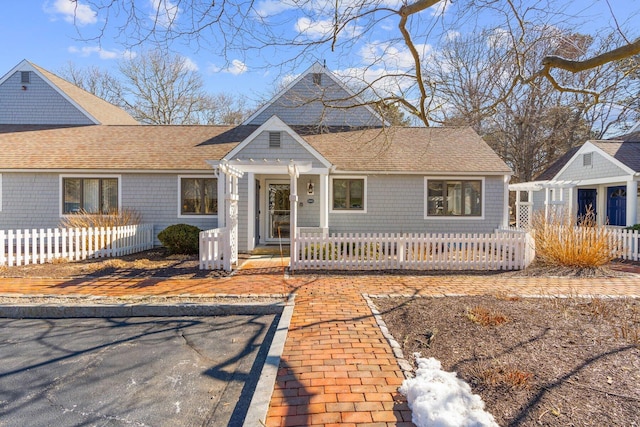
x=31, y=95
x=317, y=98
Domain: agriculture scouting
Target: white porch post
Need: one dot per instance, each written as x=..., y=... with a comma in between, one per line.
x=324, y=201
x=518, y=206
x=293, y=206
x=573, y=202
x=632, y=202
x=505, y=204
x=251, y=209
x=222, y=198
x=546, y=203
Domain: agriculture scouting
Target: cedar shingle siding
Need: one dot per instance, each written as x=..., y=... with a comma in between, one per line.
x=37, y=103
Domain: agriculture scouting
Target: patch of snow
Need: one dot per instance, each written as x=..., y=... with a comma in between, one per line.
x=440, y=399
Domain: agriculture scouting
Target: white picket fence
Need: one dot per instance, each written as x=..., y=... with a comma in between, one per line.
x=438, y=251
x=214, y=249
x=39, y=246
x=628, y=244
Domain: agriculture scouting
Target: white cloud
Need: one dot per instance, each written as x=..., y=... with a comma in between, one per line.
x=267, y=8
x=73, y=12
x=190, y=64
x=391, y=57
x=500, y=37
x=102, y=53
x=323, y=28
x=440, y=8
x=314, y=29
x=164, y=12
x=236, y=68
x=452, y=35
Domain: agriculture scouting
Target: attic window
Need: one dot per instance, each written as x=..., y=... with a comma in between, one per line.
x=25, y=77
x=587, y=159
x=275, y=139
x=317, y=78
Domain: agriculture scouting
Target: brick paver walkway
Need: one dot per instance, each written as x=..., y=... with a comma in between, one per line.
x=336, y=368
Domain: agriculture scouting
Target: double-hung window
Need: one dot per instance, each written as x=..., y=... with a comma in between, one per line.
x=89, y=195
x=198, y=196
x=348, y=194
x=454, y=198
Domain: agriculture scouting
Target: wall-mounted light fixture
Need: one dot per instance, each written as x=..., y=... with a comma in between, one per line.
x=24, y=87
x=311, y=187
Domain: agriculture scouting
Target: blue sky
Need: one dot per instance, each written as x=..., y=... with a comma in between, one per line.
x=43, y=32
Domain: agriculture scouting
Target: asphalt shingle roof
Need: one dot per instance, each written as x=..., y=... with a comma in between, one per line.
x=100, y=147
x=409, y=149
x=101, y=110
x=138, y=147
x=625, y=152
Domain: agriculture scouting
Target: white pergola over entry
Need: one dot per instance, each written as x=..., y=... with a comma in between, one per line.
x=229, y=171
x=228, y=197
x=554, y=199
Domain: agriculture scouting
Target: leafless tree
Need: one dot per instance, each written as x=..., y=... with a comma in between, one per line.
x=249, y=28
x=224, y=109
x=157, y=88
x=529, y=126
x=160, y=88
x=96, y=81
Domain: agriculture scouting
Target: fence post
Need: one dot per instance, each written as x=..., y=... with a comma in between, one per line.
x=3, y=248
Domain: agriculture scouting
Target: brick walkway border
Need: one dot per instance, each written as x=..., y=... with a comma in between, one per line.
x=337, y=367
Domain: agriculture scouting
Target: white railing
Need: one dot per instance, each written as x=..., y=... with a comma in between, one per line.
x=365, y=251
x=39, y=246
x=214, y=244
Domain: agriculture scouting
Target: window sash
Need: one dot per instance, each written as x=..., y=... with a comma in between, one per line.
x=348, y=194
x=454, y=198
x=199, y=196
x=89, y=195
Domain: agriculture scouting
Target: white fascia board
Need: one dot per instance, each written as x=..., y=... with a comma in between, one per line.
x=421, y=173
x=108, y=171
x=25, y=65
x=315, y=68
x=589, y=147
x=267, y=104
x=274, y=124
x=20, y=67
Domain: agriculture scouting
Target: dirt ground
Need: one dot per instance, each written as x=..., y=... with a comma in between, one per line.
x=534, y=361
x=152, y=263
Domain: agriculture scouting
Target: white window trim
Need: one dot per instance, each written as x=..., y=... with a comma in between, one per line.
x=348, y=211
x=453, y=217
x=180, y=214
x=93, y=175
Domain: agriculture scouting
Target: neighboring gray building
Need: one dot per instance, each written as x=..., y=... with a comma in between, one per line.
x=600, y=176
x=354, y=173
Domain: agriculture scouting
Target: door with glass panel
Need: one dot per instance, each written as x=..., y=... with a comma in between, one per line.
x=279, y=218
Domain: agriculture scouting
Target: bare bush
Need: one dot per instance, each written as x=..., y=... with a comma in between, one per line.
x=562, y=241
x=84, y=219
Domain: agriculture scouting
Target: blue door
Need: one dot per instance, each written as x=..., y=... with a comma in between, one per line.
x=617, y=205
x=586, y=201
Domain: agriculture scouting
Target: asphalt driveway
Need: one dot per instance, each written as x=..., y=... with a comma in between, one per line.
x=137, y=371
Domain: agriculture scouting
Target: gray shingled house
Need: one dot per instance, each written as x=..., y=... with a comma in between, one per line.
x=600, y=175
x=302, y=158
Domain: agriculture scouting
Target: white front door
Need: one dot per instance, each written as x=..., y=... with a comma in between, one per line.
x=278, y=212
